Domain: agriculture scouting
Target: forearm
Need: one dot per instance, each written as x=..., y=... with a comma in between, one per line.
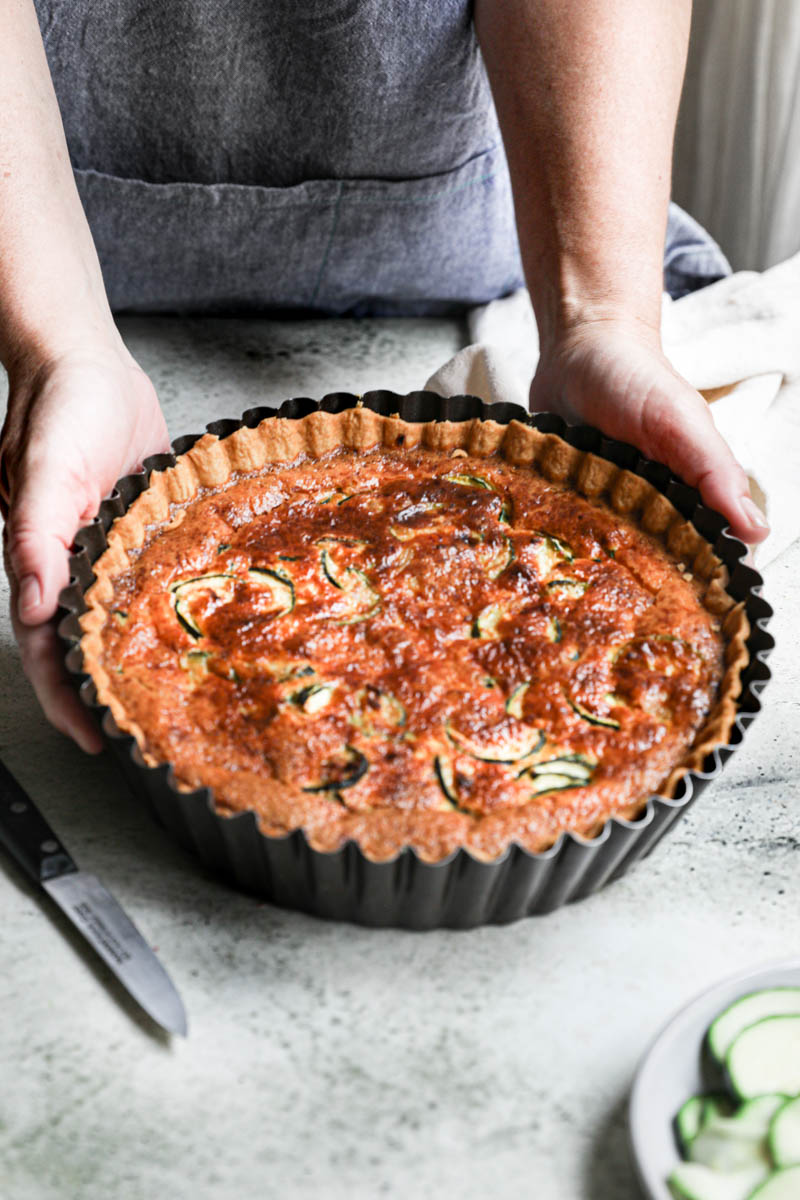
x=587, y=95
x=52, y=298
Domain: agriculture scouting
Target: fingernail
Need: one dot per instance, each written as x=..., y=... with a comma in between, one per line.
x=753, y=513
x=30, y=593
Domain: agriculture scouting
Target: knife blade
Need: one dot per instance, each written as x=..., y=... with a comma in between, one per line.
x=89, y=905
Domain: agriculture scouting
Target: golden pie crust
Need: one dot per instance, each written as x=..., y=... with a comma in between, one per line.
x=436, y=635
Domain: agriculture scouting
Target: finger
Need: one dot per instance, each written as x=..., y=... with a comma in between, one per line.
x=680, y=432
x=44, y=517
x=41, y=654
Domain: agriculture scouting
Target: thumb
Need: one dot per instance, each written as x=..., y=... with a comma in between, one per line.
x=45, y=513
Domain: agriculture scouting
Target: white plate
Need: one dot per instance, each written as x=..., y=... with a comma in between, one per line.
x=670, y=1072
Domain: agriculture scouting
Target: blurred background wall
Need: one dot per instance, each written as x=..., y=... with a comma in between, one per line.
x=737, y=149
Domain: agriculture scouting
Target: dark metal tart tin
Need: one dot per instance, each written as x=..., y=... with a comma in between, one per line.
x=460, y=891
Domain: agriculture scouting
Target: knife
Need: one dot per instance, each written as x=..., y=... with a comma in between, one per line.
x=91, y=908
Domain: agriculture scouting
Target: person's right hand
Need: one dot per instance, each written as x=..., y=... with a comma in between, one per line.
x=75, y=424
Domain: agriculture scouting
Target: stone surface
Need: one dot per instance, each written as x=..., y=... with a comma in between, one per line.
x=328, y=1060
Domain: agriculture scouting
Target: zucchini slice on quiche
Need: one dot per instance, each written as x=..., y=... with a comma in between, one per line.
x=486, y=622
x=560, y=773
x=340, y=771
x=279, y=584
x=356, y=584
x=313, y=698
x=504, y=747
x=186, y=592
x=496, y=558
x=377, y=712
x=566, y=589
x=589, y=717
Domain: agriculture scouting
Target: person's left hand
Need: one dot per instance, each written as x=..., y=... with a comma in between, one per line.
x=613, y=374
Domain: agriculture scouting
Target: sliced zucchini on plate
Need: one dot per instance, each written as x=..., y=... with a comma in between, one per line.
x=784, y=1134
x=694, y=1113
x=734, y=1142
x=771, y=1002
x=340, y=772
x=781, y=1185
x=765, y=1057
x=507, y=748
x=693, y=1181
x=689, y=1120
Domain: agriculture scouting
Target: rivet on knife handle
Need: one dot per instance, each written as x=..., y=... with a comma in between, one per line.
x=27, y=836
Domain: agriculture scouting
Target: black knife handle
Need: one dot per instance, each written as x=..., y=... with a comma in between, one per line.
x=27, y=836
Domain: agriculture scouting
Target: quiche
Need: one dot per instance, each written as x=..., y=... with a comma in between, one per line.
x=436, y=635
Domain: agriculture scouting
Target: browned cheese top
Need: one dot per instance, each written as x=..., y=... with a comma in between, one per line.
x=411, y=648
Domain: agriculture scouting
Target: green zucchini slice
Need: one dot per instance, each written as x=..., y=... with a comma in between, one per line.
x=341, y=772
x=694, y=1113
x=475, y=481
x=222, y=585
x=445, y=777
x=515, y=701
x=511, y=750
x=331, y=571
x=556, y=774
x=496, y=559
x=314, y=698
x=590, y=717
x=358, y=585
x=783, y=1184
x=576, y=766
x=335, y=540
x=378, y=712
x=196, y=663
x=784, y=1134
x=693, y=1181
x=120, y=616
x=554, y=630
x=731, y=1143
x=553, y=782
x=567, y=589
x=487, y=620
x=372, y=504
x=689, y=1119
x=769, y=1002
x=765, y=1057
x=279, y=584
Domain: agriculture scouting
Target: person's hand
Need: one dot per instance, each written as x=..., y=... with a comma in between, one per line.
x=613, y=375
x=75, y=424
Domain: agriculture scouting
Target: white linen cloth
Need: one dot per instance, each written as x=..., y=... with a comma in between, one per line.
x=737, y=341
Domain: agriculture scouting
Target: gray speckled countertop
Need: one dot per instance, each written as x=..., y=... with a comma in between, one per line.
x=328, y=1060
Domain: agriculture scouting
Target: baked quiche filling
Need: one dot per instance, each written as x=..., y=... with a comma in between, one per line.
x=409, y=646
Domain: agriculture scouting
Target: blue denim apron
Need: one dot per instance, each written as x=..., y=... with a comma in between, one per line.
x=341, y=156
